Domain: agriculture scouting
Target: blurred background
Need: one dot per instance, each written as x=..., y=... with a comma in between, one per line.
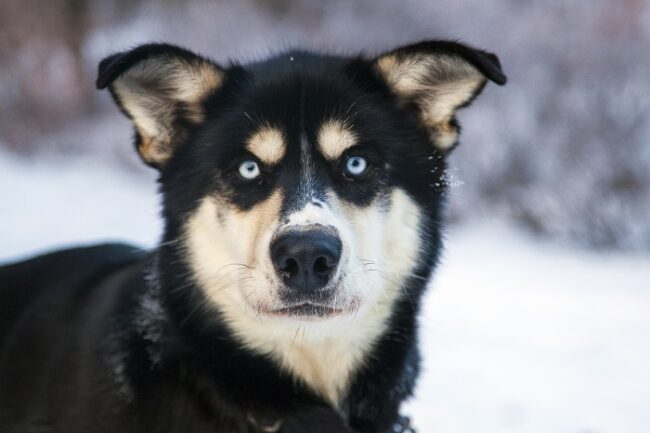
x=538, y=320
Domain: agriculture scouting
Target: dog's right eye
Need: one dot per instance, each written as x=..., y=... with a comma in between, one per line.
x=249, y=170
x=356, y=165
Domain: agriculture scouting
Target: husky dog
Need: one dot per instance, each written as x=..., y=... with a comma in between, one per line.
x=302, y=201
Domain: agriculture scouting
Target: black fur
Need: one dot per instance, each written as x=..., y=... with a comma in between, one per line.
x=110, y=339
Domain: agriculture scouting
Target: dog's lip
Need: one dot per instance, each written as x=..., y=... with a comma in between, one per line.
x=308, y=310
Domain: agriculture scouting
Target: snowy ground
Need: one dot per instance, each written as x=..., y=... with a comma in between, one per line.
x=526, y=337
x=518, y=336
x=60, y=203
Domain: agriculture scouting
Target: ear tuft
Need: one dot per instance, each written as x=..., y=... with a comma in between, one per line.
x=160, y=87
x=439, y=77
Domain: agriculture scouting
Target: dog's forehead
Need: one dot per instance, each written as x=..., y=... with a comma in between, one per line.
x=299, y=98
x=296, y=62
x=331, y=138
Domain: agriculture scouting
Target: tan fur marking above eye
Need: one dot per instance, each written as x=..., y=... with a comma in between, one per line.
x=334, y=138
x=268, y=145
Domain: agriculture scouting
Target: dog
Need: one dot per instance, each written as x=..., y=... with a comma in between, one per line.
x=302, y=198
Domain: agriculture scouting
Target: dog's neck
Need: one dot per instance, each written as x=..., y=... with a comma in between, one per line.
x=324, y=360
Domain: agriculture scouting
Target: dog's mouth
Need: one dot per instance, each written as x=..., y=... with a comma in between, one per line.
x=309, y=311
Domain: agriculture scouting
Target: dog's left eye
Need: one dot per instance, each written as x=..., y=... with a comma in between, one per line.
x=356, y=165
x=249, y=170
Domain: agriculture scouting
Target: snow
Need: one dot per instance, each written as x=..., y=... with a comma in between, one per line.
x=63, y=202
x=518, y=335
x=531, y=337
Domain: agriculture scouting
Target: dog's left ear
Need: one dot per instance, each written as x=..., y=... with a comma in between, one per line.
x=161, y=88
x=439, y=77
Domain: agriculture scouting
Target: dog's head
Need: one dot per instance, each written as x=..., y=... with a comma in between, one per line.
x=306, y=188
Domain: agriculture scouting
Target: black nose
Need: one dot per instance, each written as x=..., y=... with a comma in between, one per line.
x=306, y=260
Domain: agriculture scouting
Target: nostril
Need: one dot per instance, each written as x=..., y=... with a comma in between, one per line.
x=322, y=267
x=289, y=268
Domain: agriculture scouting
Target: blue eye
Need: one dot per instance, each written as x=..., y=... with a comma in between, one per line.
x=356, y=165
x=249, y=170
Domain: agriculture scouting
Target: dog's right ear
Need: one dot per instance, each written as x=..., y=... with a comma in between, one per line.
x=161, y=88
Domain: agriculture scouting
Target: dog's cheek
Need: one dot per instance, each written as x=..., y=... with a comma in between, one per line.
x=362, y=230
x=261, y=223
x=387, y=239
x=210, y=249
x=402, y=237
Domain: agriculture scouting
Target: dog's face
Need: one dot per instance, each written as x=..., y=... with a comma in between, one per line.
x=305, y=189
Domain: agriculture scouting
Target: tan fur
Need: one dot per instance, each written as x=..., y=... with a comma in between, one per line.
x=192, y=86
x=267, y=145
x=152, y=151
x=444, y=134
x=380, y=250
x=439, y=84
x=334, y=138
x=152, y=91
